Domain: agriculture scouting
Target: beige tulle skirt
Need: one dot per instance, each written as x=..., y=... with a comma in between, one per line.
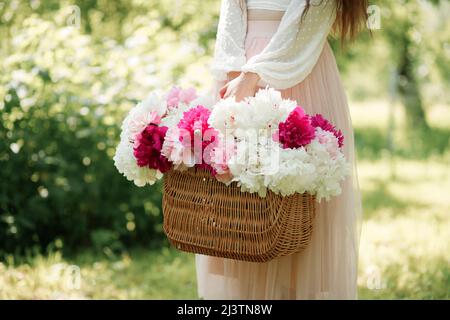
x=327, y=269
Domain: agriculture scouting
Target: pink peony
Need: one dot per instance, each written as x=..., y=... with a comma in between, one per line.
x=188, y=95
x=147, y=148
x=296, y=131
x=139, y=120
x=220, y=155
x=177, y=95
x=317, y=121
x=172, y=147
x=329, y=140
x=195, y=123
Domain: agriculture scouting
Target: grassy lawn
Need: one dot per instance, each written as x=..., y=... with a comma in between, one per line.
x=406, y=234
x=140, y=274
x=404, y=251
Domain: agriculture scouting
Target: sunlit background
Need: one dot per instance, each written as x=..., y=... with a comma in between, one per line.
x=72, y=227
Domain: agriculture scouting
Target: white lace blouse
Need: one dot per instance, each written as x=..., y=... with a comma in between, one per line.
x=290, y=55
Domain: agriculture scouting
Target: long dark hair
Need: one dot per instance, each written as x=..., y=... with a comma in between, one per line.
x=351, y=16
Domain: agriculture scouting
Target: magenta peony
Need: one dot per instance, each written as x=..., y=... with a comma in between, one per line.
x=195, y=123
x=177, y=95
x=296, y=131
x=147, y=148
x=317, y=121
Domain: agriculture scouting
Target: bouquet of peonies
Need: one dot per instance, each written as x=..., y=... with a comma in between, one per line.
x=262, y=143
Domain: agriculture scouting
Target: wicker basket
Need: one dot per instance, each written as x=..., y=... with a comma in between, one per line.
x=203, y=215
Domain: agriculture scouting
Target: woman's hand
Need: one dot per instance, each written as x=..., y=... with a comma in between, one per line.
x=232, y=75
x=245, y=85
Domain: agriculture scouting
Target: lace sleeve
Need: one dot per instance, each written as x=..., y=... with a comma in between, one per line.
x=296, y=46
x=229, y=52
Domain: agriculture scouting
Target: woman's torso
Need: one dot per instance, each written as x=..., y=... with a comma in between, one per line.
x=276, y=5
x=266, y=9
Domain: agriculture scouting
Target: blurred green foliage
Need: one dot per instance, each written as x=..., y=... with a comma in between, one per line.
x=72, y=69
x=64, y=89
x=368, y=63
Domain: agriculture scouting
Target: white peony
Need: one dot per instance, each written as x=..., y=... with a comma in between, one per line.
x=248, y=155
x=256, y=157
x=138, y=118
x=141, y=115
x=174, y=115
x=295, y=173
x=126, y=164
x=260, y=164
x=331, y=170
x=207, y=101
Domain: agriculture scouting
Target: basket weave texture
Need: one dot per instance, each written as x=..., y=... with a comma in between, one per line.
x=203, y=215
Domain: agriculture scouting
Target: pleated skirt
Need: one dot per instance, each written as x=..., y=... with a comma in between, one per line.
x=327, y=268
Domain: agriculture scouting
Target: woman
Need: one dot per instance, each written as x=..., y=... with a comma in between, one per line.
x=283, y=44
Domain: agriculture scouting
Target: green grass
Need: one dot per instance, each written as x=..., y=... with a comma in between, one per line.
x=404, y=246
x=405, y=240
x=404, y=249
x=139, y=274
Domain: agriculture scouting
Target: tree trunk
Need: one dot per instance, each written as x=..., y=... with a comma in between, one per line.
x=409, y=89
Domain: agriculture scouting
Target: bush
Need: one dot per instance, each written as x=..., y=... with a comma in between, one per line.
x=71, y=70
x=62, y=99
